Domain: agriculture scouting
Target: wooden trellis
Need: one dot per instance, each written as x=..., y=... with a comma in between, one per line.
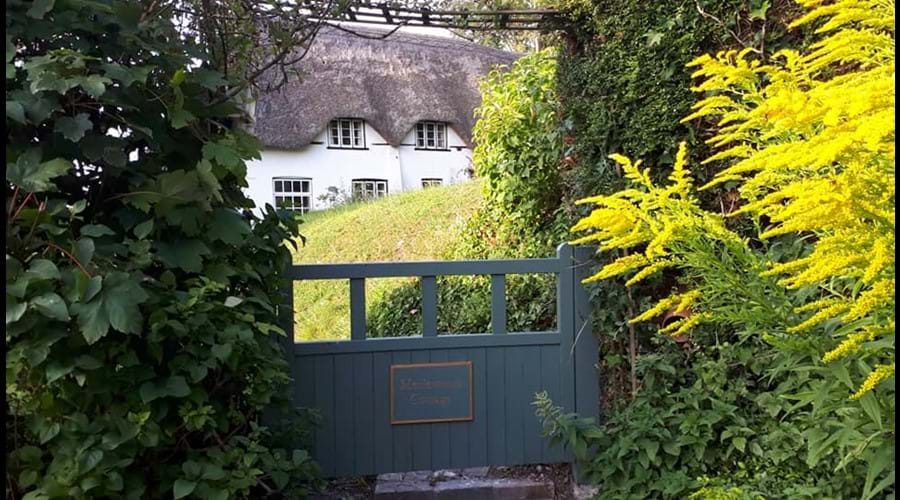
x=401, y=15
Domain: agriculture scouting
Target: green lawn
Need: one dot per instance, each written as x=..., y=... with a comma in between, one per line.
x=417, y=225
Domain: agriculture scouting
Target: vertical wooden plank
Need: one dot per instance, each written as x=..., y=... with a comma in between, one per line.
x=364, y=420
x=440, y=432
x=478, y=435
x=459, y=440
x=421, y=433
x=382, y=431
x=325, y=442
x=304, y=381
x=515, y=405
x=550, y=383
x=498, y=303
x=496, y=407
x=357, y=309
x=403, y=455
x=345, y=439
x=531, y=384
x=565, y=323
x=587, y=382
x=429, y=306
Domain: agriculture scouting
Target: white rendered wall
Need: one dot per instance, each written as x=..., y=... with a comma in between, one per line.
x=403, y=167
x=450, y=165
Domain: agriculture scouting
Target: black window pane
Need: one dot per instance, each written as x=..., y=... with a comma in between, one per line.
x=278, y=187
x=297, y=186
x=305, y=186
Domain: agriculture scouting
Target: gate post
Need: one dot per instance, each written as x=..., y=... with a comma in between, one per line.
x=587, y=382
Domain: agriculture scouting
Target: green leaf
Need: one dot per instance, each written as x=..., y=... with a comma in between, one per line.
x=10, y=49
x=740, y=443
x=184, y=254
x=14, y=310
x=56, y=370
x=870, y=405
x=43, y=269
x=179, y=118
x=760, y=11
x=143, y=229
x=95, y=85
x=228, y=227
x=232, y=301
x=15, y=111
x=96, y=230
x=183, y=488
x=52, y=306
x=31, y=175
x=40, y=8
x=90, y=459
x=221, y=351
x=73, y=129
x=48, y=432
x=127, y=75
x=177, y=386
x=116, y=305
x=84, y=251
x=177, y=78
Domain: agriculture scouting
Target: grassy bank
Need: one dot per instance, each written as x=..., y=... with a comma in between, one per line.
x=416, y=225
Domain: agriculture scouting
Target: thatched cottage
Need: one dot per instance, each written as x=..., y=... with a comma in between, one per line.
x=370, y=116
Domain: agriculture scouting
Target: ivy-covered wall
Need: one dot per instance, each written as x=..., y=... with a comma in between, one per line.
x=622, y=80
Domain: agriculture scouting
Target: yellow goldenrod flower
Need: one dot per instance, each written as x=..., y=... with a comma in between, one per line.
x=878, y=375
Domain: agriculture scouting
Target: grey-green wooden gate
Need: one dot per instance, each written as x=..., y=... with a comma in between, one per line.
x=348, y=381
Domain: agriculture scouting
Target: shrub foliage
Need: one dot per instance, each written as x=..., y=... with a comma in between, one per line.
x=141, y=306
x=810, y=137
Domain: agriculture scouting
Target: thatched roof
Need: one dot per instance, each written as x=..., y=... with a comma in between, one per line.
x=391, y=83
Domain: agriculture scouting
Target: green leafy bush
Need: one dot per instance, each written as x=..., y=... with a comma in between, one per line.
x=518, y=154
x=141, y=306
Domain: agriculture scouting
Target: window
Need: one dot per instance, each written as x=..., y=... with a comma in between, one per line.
x=431, y=182
x=431, y=135
x=346, y=133
x=293, y=194
x=364, y=189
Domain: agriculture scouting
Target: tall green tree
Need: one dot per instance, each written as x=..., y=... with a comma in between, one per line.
x=141, y=304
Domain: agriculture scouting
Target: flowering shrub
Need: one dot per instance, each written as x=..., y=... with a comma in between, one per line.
x=810, y=138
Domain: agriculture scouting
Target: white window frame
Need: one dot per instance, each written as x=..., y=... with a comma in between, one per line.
x=287, y=191
x=428, y=182
x=431, y=136
x=347, y=133
x=368, y=189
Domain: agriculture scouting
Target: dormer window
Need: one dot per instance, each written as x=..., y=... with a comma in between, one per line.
x=431, y=135
x=346, y=133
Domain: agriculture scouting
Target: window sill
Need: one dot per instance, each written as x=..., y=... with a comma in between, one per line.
x=347, y=149
x=433, y=149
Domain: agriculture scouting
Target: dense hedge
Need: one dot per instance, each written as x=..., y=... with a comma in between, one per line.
x=141, y=305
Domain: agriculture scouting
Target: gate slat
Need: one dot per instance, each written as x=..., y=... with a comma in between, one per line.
x=459, y=431
x=364, y=428
x=325, y=439
x=357, y=309
x=478, y=440
x=498, y=303
x=530, y=385
x=429, y=306
x=345, y=440
x=421, y=439
x=403, y=438
x=550, y=383
x=384, y=433
x=440, y=432
x=514, y=396
x=496, y=409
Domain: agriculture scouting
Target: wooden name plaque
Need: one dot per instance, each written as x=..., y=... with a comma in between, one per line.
x=431, y=392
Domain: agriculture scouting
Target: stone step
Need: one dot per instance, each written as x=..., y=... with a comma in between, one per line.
x=465, y=484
